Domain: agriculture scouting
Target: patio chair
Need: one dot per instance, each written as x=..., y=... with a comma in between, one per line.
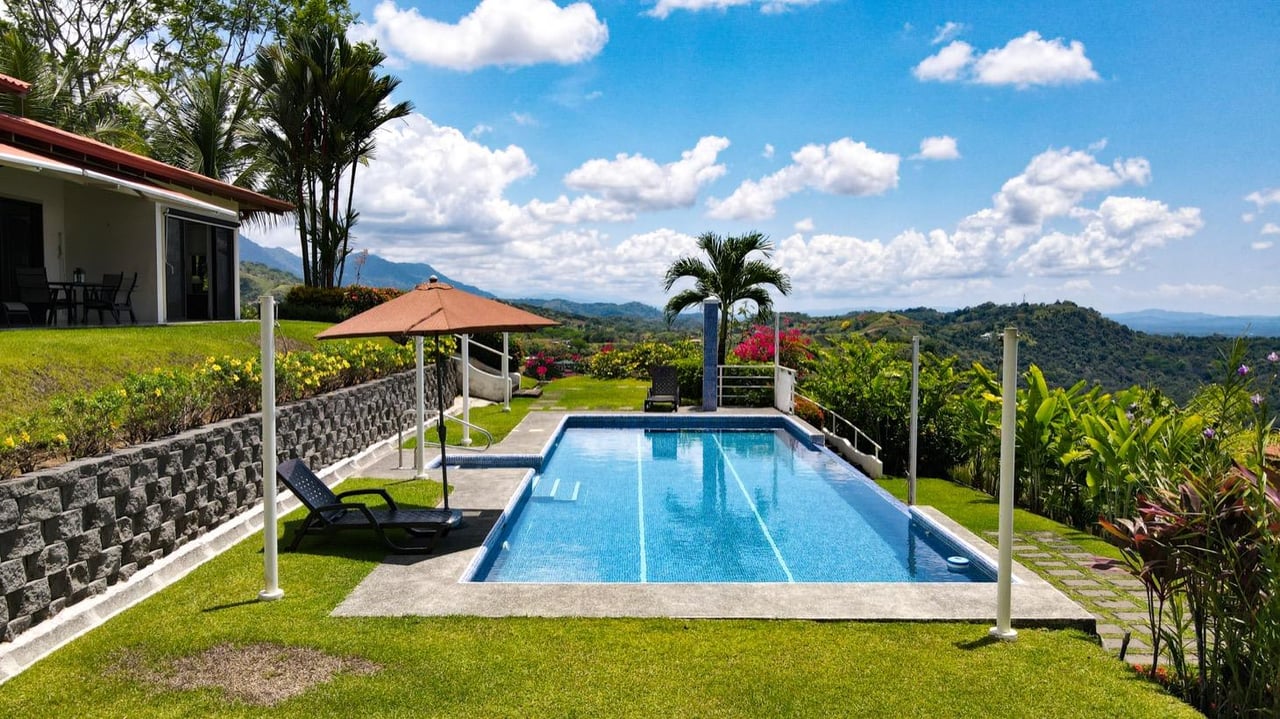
x=36, y=297
x=124, y=300
x=664, y=391
x=327, y=512
x=102, y=298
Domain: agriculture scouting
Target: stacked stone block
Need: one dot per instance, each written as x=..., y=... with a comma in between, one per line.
x=70, y=532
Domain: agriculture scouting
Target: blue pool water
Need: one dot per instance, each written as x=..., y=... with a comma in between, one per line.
x=635, y=504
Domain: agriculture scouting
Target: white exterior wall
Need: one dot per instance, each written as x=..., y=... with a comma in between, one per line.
x=109, y=231
x=49, y=193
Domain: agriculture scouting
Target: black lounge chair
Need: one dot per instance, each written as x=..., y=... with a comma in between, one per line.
x=327, y=512
x=664, y=390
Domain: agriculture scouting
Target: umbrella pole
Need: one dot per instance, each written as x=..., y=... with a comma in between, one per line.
x=444, y=465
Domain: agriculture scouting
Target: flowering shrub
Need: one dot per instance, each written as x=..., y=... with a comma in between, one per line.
x=332, y=304
x=758, y=346
x=809, y=412
x=542, y=366
x=636, y=361
x=358, y=298
x=150, y=405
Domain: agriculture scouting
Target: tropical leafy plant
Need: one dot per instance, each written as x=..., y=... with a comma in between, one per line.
x=730, y=274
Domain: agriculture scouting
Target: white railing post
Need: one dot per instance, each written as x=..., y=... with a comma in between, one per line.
x=1008, y=418
x=466, y=390
x=915, y=419
x=506, y=374
x=271, y=571
x=420, y=396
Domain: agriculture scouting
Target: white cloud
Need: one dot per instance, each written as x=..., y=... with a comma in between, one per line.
x=947, y=32
x=947, y=65
x=1013, y=235
x=506, y=33
x=1077, y=285
x=663, y=8
x=1262, y=198
x=805, y=225
x=638, y=182
x=1114, y=237
x=1270, y=228
x=524, y=119
x=589, y=259
x=432, y=178
x=1023, y=62
x=478, y=130
x=768, y=151
x=938, y=148
x=843, y=167
x=1265, y=245
x=1248, y=217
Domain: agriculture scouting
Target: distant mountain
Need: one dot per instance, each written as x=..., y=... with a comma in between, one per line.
x=635, y=310
x=274, y=257
x=1198, y=324
x=376, y=271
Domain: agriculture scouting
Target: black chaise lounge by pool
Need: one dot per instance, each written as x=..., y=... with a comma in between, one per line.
x=665, y=390
x=329, y=512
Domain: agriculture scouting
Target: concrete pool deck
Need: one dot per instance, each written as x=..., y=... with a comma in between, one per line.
x=429, y=585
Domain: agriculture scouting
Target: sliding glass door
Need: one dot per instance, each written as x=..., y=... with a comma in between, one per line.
x=200, y=276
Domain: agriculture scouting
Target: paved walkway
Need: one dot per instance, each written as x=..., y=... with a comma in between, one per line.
x=1110, y=593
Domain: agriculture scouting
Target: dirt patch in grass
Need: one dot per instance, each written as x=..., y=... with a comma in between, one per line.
x=259, y=674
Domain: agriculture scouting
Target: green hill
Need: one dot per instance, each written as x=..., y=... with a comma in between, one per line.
x=257, y=279
x=1066, y=341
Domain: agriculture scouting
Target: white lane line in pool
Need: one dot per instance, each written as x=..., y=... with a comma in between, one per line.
x=754, y=510
x=644, y=568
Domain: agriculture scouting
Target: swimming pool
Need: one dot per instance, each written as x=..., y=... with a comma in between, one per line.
x=708, y=500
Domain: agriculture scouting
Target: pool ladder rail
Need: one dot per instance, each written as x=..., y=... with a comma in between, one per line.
x=431, y=417
x=555, y=494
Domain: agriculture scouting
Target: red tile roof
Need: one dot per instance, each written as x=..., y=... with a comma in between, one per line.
x=13, y=85
x=69, y=147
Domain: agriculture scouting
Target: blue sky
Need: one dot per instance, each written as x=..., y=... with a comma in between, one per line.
x=1121, y=156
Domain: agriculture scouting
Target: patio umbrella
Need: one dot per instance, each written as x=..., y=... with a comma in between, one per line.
x=431, y=309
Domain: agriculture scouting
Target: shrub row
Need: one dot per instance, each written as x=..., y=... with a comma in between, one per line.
x=332, y=304
x=150, y=405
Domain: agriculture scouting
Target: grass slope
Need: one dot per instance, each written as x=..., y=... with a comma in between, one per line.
x=978, y=512
x=39, y=364
x=476, y=667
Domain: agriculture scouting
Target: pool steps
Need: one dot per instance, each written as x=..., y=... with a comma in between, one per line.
x=554, y=494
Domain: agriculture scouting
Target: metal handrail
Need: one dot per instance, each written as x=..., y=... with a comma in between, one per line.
x=432, y=415
x=724, y=370
x=834, y=416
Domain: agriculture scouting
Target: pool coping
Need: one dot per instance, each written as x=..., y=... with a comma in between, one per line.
x=429, y=585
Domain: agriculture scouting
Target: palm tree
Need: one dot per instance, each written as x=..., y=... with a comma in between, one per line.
x=322, y=100
x=55, y=100
x=728, y=274
x=203, y=125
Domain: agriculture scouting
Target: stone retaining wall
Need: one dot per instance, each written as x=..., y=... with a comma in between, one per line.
x=69, y=532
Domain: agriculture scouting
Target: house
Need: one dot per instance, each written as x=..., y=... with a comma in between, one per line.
x=68, y=202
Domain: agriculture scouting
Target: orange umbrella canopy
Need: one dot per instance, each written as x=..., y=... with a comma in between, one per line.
x=435, y=308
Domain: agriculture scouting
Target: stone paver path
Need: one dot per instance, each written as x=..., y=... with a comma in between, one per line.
x=1107, y=590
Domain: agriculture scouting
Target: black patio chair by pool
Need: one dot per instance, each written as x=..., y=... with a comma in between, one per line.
x=328, y=512
x=664, y=391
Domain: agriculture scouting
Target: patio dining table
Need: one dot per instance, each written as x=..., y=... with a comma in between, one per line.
x=75, y=293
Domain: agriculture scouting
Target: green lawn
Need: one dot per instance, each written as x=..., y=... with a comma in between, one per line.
x=979, y=512
x=39, y=364
x=475, y=667
x=581, y=392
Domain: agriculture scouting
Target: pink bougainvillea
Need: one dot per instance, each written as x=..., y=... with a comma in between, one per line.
x=758, y=346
